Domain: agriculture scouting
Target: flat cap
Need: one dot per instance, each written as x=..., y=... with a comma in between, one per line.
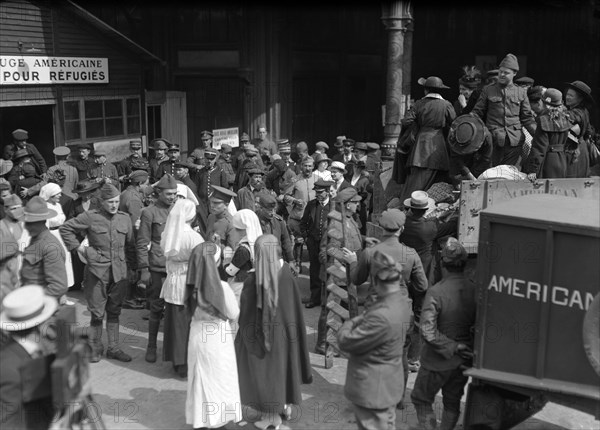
x=100, y=152
x=392, y=219
x=20, y=134
x=322, y=145
x=253, y=169
x=221, y=193
x=61, y=151
x=138, y=176
x=266, y=200
x=206, y=134
x=372, y=146
x=109, y=191
x=135, y=143
x=361, y=146
x=524, y=80
x=85, y=146
x=322, y=183
x=251, y=150
x=348, y=194
x=453, y=253
x=226, y=149
x=167, y=182
x=244, y=137
x=20, y=153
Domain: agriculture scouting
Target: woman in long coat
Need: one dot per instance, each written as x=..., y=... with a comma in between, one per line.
x=577, y=99
x=177, y=242
x=271, y=349
x=213, y=394
x=428, y=160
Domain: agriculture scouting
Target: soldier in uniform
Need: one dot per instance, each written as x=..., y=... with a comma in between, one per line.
x=132, y=200
x=246, y=196
x=110, y=266
x=152, y=262
x=271, y=223
x=70, y=173
x=168, y=166
x=263, y=141
x=251, y=157
x=219, y=228
x=20, y=142
x=285, y=151
x=224, y=162
x=196, y=158
x=210, y=174
x=241, y=156
x=160, y=154
x=312, y=227
x=135, y=161
x=104, y=172
x=44, y=257
x=83, y=163
x=505, y=109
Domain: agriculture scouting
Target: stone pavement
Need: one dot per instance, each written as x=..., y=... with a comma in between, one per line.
x=141, y=395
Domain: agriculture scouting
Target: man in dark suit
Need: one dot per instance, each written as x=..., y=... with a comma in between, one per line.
x=25, y=400
x=374, y=342
x=312, y=227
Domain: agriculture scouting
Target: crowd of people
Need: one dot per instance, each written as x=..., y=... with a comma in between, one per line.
x=212, y=245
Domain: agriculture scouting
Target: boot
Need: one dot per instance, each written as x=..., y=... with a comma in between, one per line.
x=427, y=420
x=320, y=348
x=95, y=336
x=449, y=420
x=112, y=329
x=153, y=325
x=298, y=256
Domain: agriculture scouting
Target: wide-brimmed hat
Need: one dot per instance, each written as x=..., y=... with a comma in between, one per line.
x=322, y=157
x=26, y=307
x=160, y=144
x=362, y=146
x=86, y=187
x=5, y=166
x=467, y=134
x=20, y=153
x=582, y=88
x=37, y=209
x=339, y=166
x=432, y=82
x=419, y=200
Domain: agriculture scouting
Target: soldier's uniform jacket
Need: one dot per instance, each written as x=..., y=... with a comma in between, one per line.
x=83, y=167
x=107, y=170
x=154, y=165
x=166, y=166
x=44, y=264
x=36, y=158
x=222, y=226
x=132, y=203
x=196, y=157
x=152, y=224
x=278, y=228
x=505, y=112
x=131, y=163
x=228, y=169
x=112, y=245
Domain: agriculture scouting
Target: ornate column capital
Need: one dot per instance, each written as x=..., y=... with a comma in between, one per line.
x=397, y=15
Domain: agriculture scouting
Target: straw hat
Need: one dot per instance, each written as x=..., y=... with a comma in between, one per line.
x=26, y=307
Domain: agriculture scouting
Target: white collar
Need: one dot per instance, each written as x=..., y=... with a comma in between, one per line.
x=434, y=96
x=325, y=202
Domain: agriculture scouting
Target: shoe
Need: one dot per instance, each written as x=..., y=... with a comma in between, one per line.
x=96, y=355
x=320, y=350
x=151, y=354
x=132, y=304
x=306, y=300
x=311, y=305
x=117, y=354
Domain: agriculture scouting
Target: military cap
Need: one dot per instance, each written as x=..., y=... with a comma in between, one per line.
x=85, y=146
x=372, y=146
x=251, y=150
x=392, y=219
x=109, y=191
x=339, y=166
x=322, y=183
x=266, y=200
x=138, y=176
x=281, y=142
x=61, y=151
x=86, y=186
x=37, y=209
x=135, y=143
x=21, y=153
x=322, y=145
x=167, y=182
x=221, y=193
x=285, y=148
x=493, y=72
x=510, y=62
x=349, y=142
x=361, y=146
x=100, y=152
x=253, y=169
x=12, y=200
x=385, y=267
x=160, y=143
x=210, y=153
x=453, y=253
x=226, y=149
x=348, y=194
x=182, y=164
x=524, y=80
x=173, y=147
x=244, y=137
x=204, y=134
x=20, y=134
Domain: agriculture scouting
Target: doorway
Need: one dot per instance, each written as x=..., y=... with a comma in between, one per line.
x=39, y=123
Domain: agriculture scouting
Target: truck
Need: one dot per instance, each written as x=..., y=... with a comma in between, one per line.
x=537, y=336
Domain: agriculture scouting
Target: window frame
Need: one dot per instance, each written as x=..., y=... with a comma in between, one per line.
x=83, y=138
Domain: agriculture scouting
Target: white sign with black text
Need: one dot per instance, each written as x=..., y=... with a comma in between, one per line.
x=34, y=70
x=230, y=136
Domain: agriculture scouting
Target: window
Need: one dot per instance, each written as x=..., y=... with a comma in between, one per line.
x=92, y=119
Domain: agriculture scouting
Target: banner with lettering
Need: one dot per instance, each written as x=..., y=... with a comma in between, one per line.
x=34, y=70
x=230, y=136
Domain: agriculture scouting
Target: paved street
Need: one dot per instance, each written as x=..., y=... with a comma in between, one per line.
x=140, y=395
